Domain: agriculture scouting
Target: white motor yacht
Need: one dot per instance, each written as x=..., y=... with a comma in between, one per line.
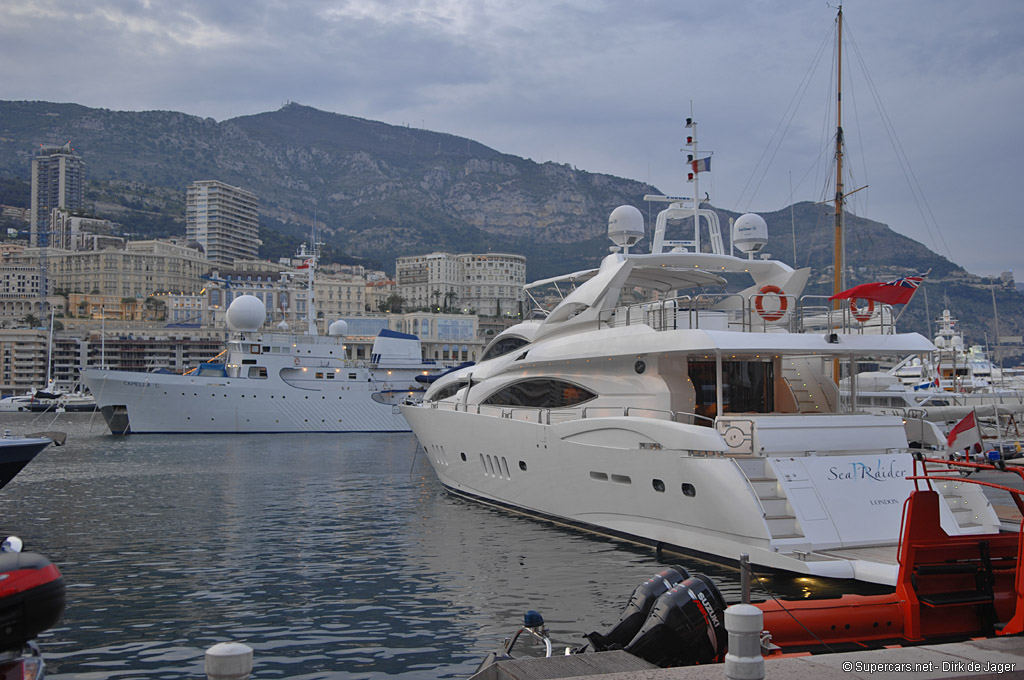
x=705, y=422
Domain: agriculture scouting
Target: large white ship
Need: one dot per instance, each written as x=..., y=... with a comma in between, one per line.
x=266, y=382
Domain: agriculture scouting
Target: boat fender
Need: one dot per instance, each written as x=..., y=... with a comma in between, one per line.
x=638, y=608
x=771, y=315
x=862, y=315
x=686, y=626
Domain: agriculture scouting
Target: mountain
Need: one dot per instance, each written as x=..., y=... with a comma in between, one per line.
x=379, y=191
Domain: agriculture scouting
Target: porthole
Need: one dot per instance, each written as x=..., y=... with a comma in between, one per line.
x=464, y=457
x=658, y=485
x=522, y=465
x=639, y=366
x=689, y=490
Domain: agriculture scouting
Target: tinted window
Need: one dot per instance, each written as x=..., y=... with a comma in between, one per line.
x=540, y=394
x=504, y=346
x=445, y=392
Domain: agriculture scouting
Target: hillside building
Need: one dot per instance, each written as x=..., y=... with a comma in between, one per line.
x=58, y=181
x=223, y=219
x=488, y=284
x=135, y=271
x=73, y=232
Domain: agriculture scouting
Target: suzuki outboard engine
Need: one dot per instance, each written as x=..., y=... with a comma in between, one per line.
x=640, y=604
x=686, y=626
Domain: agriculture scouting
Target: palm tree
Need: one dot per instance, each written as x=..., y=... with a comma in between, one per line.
x=155, y=308
x=449, y=300
x=31, y=320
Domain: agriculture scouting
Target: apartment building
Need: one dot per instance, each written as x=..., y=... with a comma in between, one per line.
x=488, y=284
x=58, y=181
x=223, y=219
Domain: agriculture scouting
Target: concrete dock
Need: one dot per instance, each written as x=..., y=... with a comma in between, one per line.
x=985, y=659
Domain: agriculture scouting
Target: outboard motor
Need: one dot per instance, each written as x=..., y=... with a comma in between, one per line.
x=639, y=607
x=686, y=626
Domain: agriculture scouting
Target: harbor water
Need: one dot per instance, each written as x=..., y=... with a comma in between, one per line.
x=332, y=556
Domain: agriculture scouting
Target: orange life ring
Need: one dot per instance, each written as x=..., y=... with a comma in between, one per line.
x=862, y=315
x=759, y=303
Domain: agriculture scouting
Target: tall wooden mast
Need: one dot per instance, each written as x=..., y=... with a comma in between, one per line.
x=837, y=268
x=837, y=273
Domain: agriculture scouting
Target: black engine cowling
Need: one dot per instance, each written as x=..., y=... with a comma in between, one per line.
x=686, y=626
x=637, y=610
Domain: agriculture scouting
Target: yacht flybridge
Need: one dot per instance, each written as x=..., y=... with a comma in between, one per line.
x=644, y=406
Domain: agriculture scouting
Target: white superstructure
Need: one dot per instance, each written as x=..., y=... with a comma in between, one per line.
x=689, y=418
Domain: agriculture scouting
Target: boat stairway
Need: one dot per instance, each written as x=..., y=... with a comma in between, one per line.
x=778, y=514
x=809, y=393
x=964, y=513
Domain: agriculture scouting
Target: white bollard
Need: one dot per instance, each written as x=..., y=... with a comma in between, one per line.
x=228, y=661
x=743, y=661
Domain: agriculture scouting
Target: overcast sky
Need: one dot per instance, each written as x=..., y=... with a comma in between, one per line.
x=602, y=85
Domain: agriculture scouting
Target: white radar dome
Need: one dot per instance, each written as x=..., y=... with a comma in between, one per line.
x=338, y=329
x=246, y=313
x=625, y=226
x=750, y=233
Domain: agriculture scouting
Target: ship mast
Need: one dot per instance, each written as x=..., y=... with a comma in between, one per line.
x=837, y=267
x=837, y=273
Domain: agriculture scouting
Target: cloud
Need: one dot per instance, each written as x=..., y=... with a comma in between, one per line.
x=602, y=85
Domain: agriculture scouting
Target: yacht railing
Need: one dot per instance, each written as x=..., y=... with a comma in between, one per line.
x=750, y=313
x=549, y=416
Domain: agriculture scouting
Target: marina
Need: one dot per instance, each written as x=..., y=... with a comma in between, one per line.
x=333, y=556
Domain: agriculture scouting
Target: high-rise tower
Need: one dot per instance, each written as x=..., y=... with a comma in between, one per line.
x=223, y=219
x=58, y=181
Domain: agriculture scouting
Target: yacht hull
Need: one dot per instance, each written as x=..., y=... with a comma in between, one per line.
x=16, y=453
x=150, y=403
x=586, y=474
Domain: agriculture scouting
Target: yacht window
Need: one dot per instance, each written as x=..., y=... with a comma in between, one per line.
x=254, y=349
x=319, y=376
x=748, y=387
x=540, y=393
x=504, y=346
x=689, y=490
x=445, y=392
x=248, y=361
x=257, y=372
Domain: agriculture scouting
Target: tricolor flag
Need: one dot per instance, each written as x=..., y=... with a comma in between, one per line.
x=896, y=292
x=701, y=165
x=965, y=434
x=305, y=265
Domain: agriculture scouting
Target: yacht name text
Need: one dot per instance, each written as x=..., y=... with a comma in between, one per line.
x=880, y=472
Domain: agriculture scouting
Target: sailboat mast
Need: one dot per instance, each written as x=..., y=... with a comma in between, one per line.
x=837, y=274
x=837, y=267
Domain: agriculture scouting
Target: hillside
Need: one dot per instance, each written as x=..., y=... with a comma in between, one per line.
x=379, y=191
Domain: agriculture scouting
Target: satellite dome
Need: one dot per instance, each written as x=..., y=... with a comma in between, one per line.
x=750, y=233
x=338, y=329
x=246, y=313
x=625, y=226
x=195, y=245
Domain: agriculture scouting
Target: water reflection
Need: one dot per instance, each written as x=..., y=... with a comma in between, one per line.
x=333, y=556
